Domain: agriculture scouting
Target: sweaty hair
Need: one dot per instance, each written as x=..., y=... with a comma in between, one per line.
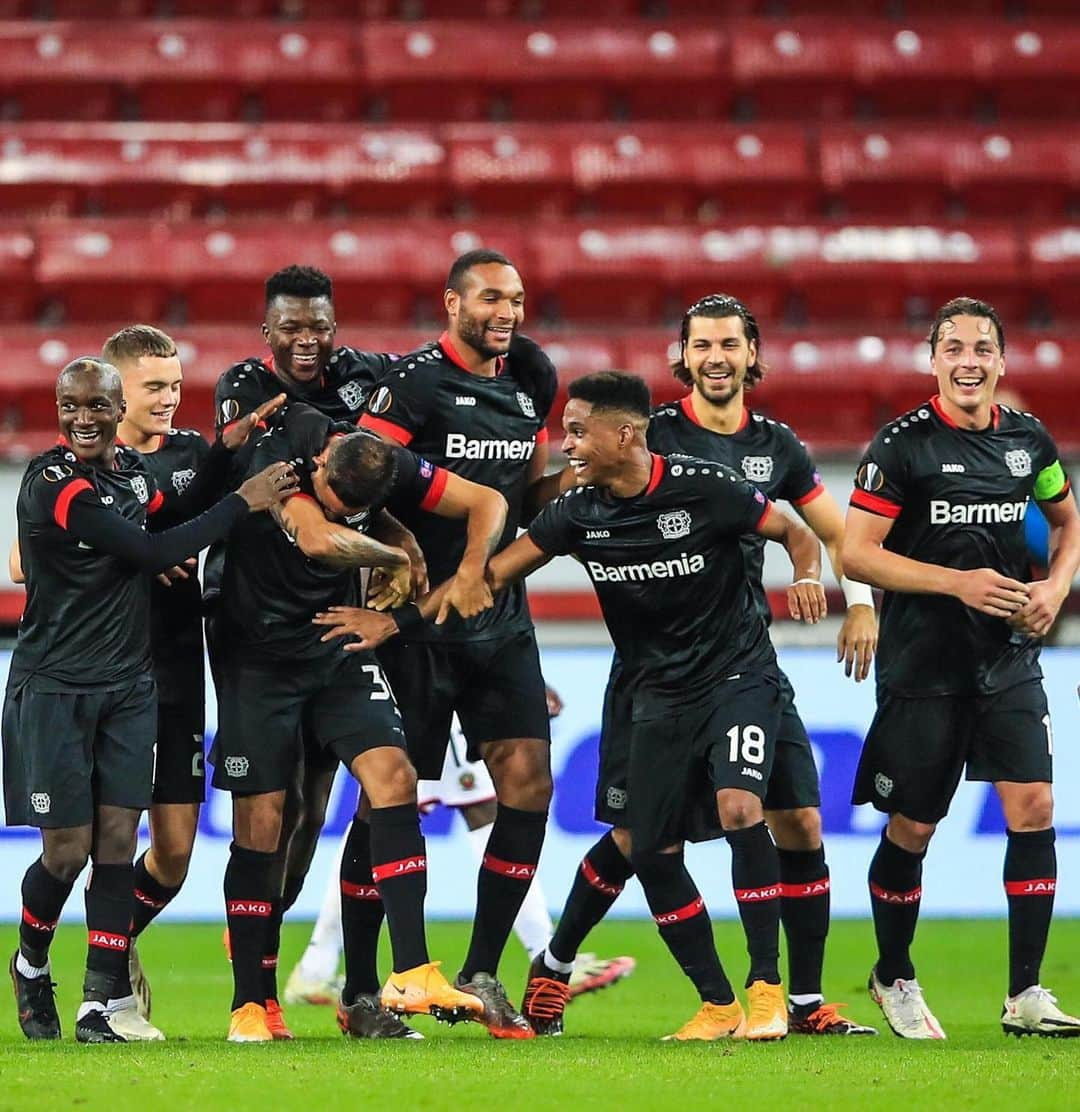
x=613, y=392
x=716, y=306
x=135, y=341
x=966, y=307
x=455, y=280
x=107, y=374
x=299, y=281
x=360, y=468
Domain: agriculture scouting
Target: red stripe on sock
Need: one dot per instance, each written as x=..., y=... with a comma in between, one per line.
x=404, y=867
x=1046, y=886
x=806, y=890
x=32, y=920
x=104, y=940
x=888, y=897
x=359, y=891
x=759, y=895
x=679, y=915
x=512, y=869
x=149, y=901
x=597, y=881
x=270, y=961
x=261, y=909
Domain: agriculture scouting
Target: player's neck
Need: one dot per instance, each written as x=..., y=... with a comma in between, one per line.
x=723, y=418
x=634, y=477
x=468, y=358
x=972, y=420
x=143, y=442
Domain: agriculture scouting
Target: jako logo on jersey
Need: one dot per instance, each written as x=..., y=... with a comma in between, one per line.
x=352, y=394
x=597, y=534
x=978, y=513
x=1018, y=462
x=638, y=573
x=758, y=469
x=459, y=446
x=753, y=773
x=464, y=399
x=139, y=489
x=236, y=766
x=952, y=469
x=181, y=480
x=674, y=525
x=526, y=404
x=41, y=802
x=381, y=400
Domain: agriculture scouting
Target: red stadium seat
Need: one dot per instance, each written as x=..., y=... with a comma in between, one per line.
x=1054, y=253
x=18, y=295
x=1034, y=68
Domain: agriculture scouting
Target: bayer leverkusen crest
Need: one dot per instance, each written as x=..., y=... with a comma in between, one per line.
x=674, y=525
x=526, y=404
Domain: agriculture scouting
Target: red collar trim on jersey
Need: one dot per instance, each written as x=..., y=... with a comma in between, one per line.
x=63, y=442
x=995, y=415
x=656, y=474
x=121, y=444
x=452, y=355
x=688, y=409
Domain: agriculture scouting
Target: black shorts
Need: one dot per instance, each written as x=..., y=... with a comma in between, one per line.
x=179, y=768
x=918, y=748
x=266, y=715
x=678, y=764
x=495, y=687
x=794, y=781
x=66, y=753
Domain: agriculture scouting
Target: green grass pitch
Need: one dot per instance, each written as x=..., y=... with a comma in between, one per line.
x=611, y=1056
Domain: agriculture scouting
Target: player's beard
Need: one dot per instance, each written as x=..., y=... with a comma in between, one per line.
x=472, y=332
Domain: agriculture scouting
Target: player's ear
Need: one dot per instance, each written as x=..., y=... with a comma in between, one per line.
x=266, y=331
x=752, y=346
x=451, y=301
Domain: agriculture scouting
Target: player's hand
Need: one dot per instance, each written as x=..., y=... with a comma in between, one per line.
x=857, y=642
x=806, y=601
x=418, y=565
x=370, y=627
x=177, y=571
x=1039, y=613
x=270, y=487
x=990, y=592
x=554, y=702
x=390, y=586
x=468, y=594
x=239, y=432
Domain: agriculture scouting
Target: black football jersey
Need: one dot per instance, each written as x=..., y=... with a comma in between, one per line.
x=484, y=429
x=668, y=570
x=270, y=589
x=957, y=498
x=86, y=625
x=766, y=452
x=176, y=635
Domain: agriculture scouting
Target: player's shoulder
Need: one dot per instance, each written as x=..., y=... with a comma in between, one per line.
x=576, y=500
x=770, y=430
x=185, y=440
x=1009, y=417
x=348, y=362
x=50, y=468
x=908, y=431
x=129, y=460
x=531, y=365
x=694, y=471
x=665, y=414
x=242, y=371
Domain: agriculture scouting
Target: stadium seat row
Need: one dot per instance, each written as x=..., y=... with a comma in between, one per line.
x=560, y=69
x=769, y=171
x=835, y=388
x=600, y=271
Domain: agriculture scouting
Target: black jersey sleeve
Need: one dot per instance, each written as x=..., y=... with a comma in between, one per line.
x=213, y=467
x=399, y=405
x=535, y=371
x=743, y=507
x=238, y=393
x=552, y=531
x=416, y=481
x=802, y=481
x=880, y=479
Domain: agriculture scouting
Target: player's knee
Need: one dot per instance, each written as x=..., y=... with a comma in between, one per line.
x=65, y=857
x=797, y=829
x=621, y=837
x=522, y=774
x=655, y=866
x=400, y=784
x=1029, y=808
x=910, y=835
x=257, y=822
x=169, y=865
x=738, y=809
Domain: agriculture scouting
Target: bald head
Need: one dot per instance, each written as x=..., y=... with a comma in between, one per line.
x=90, y=405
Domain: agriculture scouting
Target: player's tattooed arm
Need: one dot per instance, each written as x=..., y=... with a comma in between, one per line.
x=306, y=524
x=983, y=589
x=1047, y=595
x=806, y=595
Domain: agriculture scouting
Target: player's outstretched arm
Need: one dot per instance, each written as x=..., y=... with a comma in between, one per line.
x=545, y=489
x=857, y=641
x=806, y=595
x=514, y=563
x=983, y=589
x=1047, y=595
x=326, y=541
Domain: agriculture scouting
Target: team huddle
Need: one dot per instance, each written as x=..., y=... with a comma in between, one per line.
x=371, y=521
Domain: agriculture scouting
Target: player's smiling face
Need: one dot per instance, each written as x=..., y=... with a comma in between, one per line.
x=968, y=361
x=717, y=355
x=300, y=332
x=89, y=412
x=489, y=310
x=592, y=443
x=152, y=393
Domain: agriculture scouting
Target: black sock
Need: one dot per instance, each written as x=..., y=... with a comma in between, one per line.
x=399, y=868
x=1030, y=882
x=509, y=866
x=804, y=911
x=249, y=903
x=362, y=914
x=272, y=944
x=290, y=890
x=755, y=876
x=151, y=898
x=895, y=895
x=108, y=929
x=43, y=898
x=684, y=924
x=603, y=873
